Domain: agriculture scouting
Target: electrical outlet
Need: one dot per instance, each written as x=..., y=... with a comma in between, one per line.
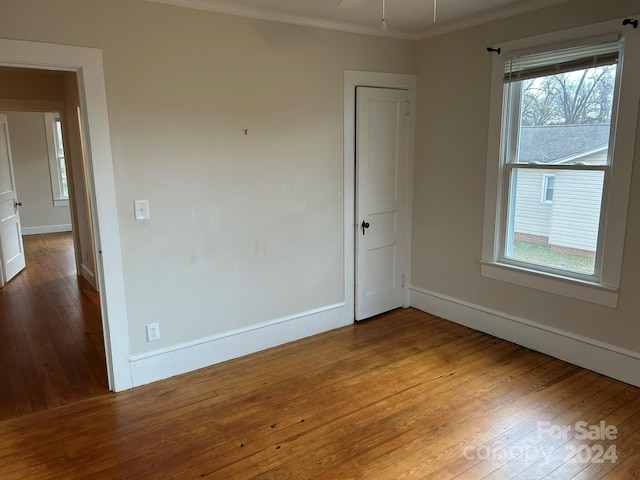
x=153, y=332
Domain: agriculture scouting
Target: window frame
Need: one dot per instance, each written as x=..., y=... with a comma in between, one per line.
x=55, y=170
x=603, y=287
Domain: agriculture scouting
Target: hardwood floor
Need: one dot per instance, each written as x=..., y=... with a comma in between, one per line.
x=51, y=343
x=402, y=396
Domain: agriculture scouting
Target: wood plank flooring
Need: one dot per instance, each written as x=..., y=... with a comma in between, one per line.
x=402, y=396
x=51, y=343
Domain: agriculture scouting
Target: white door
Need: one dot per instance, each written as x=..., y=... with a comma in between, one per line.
x=11, y=249
x=381, y=169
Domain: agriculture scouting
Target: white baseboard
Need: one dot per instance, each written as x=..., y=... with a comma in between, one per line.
x=178, y=359
x=615, y=362
x=46, y=229
x=89, y=276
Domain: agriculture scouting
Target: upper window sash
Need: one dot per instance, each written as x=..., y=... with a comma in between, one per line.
x=519, y=67
x=524, y=68
x=555, y=54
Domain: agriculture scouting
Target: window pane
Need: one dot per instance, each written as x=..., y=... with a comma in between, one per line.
x=63, y=178
x=565, y=118
x=548, y=181
x=58, y=137
x=561, y=234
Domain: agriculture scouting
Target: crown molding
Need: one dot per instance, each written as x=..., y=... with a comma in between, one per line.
x=498, y=14
x=243, y=11
x=223, y=7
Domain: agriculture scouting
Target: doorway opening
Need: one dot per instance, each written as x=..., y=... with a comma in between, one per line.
x=86, y=64
x=54, y=350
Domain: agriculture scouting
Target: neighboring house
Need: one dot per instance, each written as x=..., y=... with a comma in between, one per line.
x=555, y=207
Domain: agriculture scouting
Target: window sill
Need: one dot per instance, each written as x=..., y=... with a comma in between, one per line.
x=60, y=203
x=556, y=284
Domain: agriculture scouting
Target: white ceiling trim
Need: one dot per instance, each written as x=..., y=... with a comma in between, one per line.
x=242, y=11
x=503, y=12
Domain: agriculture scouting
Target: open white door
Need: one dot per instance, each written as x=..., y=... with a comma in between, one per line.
x=381, y=166
x=11, y=249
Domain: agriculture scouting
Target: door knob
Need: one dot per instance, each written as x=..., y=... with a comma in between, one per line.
x=364, y=226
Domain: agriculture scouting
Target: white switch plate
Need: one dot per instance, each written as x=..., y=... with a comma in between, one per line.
x=141, y=209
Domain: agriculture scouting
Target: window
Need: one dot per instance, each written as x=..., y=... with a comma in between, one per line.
x=559, y=161
x=548, y=180
x=57, y=166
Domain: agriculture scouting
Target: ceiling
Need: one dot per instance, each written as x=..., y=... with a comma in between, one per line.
x=405, y=18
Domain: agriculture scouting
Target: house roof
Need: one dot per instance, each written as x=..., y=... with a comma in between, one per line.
x=558, y=143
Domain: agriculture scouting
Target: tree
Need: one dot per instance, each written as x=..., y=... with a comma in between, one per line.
x=579, y=97
x=538, y=102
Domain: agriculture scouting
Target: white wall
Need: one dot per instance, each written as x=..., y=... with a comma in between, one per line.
x=33, y=178
x=78, y=182
x=245, y=230
x=453, y=90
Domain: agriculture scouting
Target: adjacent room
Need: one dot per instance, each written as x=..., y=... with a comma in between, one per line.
x=52, y=342
x=319, y=239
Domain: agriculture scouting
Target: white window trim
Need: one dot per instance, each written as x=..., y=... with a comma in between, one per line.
x=605, y=291
x=59, y=200
x=545, y=187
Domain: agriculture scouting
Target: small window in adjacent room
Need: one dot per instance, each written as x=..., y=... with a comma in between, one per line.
x=57, y=166
x=562, y=131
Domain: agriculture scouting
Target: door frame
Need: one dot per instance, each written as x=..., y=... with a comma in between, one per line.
x=353, y=79
x=87, y=64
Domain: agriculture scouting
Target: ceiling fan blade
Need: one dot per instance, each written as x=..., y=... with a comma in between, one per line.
x=349, y=3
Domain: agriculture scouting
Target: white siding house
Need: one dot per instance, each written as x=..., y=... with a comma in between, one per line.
x=564, y=211
x=533, y=215
x=576, y=210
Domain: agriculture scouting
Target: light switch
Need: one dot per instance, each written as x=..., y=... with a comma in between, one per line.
x=141, y=209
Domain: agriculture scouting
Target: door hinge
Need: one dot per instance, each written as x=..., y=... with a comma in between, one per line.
x=408, y=107
x=402, y=281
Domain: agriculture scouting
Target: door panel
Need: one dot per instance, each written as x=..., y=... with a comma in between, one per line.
x=381, y=165
x=11, y=248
